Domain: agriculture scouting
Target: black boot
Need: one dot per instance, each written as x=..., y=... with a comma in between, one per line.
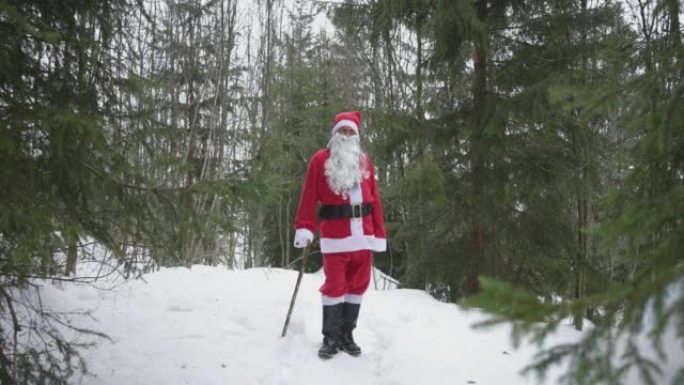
x=332, y=323
x=351, y=314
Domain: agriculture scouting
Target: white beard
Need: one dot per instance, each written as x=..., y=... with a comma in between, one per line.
x=343, y=167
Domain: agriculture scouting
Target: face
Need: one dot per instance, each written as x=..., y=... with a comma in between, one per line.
x=346, y=131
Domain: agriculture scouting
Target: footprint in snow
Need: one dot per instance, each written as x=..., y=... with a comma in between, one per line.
x=405, y=317
x=179, y=309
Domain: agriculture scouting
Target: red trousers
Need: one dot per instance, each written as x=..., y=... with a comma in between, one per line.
x=346, y=273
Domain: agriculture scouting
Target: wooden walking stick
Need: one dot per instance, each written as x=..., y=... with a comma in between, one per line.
x=305, y=253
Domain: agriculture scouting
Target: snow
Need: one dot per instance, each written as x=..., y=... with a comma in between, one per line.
x=210, y=325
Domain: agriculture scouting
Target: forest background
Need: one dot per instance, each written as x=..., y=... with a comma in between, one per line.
x=530, y=154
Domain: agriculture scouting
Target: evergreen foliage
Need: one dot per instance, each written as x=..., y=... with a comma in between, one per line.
x=56, y=163
x=85, y=156
x=542, y=120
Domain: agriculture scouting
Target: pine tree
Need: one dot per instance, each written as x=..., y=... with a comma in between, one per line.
x=56, y=157
x=637, y=257
x=309, y=85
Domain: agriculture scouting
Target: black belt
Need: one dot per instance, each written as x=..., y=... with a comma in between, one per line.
x=344, y=211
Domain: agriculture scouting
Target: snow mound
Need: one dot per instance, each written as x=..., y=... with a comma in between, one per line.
x=210, y=325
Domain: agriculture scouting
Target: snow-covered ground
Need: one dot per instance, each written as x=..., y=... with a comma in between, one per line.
x=211, y=325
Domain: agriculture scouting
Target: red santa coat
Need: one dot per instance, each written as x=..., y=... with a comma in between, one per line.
x=342, y=234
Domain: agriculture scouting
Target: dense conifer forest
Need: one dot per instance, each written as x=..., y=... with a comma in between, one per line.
x=530, y=154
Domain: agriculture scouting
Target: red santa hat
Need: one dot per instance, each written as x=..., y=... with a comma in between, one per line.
x=351, y=119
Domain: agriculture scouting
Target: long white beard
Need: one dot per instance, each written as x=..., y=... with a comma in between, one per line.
x=343, y=167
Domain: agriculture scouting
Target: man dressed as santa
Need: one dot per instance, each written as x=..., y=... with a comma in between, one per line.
x=350, y=224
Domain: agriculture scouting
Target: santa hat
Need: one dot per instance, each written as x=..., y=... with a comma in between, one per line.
x=351, y=119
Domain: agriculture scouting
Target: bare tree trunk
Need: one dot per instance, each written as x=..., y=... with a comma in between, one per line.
x=72, y=251
x=581, y=140
x=478, y=155
x=420, y=19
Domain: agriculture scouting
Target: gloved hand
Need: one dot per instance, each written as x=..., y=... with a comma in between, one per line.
x=303, y=238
